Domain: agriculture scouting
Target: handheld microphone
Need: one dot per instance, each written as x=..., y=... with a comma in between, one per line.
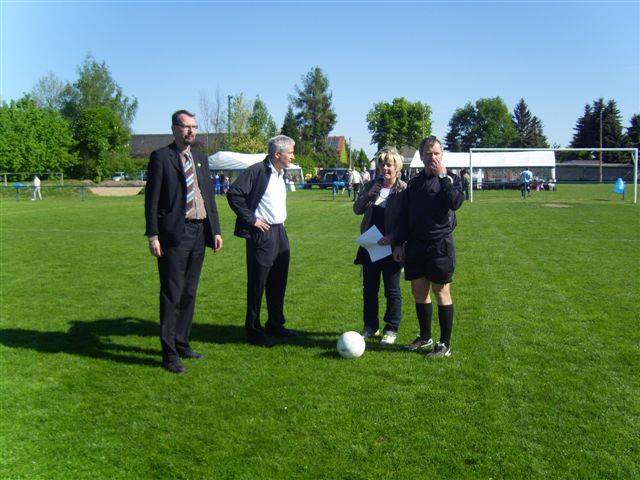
x=380, y=179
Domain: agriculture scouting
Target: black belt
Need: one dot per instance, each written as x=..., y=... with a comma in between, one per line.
x=193, y=220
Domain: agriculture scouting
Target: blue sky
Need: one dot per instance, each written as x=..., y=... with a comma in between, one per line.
x=558, y=56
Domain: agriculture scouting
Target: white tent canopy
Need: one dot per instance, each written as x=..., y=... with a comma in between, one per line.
x=493, y=159
x=234, y=161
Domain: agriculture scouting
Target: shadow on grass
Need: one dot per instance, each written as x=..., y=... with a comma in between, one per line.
x=90, y=339
x=98, y=339
x=225, y=334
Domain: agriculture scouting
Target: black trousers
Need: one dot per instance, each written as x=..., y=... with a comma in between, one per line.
x=267, y=269
x=179, y=270
x=390, y=272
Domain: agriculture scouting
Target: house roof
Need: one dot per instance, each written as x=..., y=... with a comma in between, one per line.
x=337, y=142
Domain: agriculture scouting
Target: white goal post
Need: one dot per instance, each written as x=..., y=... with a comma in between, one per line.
x=632, y=151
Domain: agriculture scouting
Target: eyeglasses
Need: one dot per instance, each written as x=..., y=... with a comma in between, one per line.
x=186, y=127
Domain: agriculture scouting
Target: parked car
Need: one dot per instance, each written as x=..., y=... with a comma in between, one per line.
x=120, y=176
x=324, y=177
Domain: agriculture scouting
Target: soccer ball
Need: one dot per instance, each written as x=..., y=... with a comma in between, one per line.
x=350, y=345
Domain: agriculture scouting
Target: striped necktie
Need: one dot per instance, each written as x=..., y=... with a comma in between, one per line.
x=189, y=175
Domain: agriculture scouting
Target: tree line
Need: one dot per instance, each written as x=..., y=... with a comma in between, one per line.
x=243, y=125
x=84, y=128
x=488, y=123
x=81, y=128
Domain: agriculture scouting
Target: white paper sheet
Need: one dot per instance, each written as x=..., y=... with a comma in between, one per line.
x=369, y=241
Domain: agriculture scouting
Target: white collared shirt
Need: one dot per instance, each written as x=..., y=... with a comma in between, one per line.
x=273, y=204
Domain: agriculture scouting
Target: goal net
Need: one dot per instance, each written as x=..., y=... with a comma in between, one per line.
x=502, y=167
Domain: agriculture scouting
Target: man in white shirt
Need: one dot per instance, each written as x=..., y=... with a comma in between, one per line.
x=258, y=198
x=356, y=182
x=36, y=188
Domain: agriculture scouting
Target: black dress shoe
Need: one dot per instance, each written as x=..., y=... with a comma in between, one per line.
x=281, y=332
x=191, y=354
x=260, y=341
x=174, y=366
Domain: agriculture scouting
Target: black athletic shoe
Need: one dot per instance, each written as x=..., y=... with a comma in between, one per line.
x=418, y=344
x=441, y=350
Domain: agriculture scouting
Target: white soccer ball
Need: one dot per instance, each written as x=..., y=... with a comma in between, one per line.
x=350, y=345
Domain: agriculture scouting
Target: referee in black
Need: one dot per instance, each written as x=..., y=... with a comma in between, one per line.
x=425, y=244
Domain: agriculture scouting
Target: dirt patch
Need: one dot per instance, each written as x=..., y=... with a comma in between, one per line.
x=116, y=189
x=556, y=205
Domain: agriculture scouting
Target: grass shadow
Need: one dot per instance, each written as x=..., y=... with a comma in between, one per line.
x=92, y=339
x=228, y=334
x=99, y=339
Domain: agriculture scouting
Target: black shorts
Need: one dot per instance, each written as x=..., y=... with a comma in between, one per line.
x=435, y=260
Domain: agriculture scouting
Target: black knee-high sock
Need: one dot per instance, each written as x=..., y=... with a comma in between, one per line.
x=424, y=312
x=445, y=317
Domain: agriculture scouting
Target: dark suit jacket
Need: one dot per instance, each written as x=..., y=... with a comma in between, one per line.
x=245, y=195
x=165, y=196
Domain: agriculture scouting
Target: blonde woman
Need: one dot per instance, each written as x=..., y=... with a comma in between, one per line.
x=379, y=202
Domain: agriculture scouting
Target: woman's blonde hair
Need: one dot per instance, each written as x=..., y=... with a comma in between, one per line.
x=389, y=156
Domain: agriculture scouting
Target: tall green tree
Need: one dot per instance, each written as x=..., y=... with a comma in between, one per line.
x=461, y=135
x=88, y=100
x=290, y=127
x=240, y=113
x=486, y=124
x=494, y=128
x=632, y=135
x=528, y=127
x=399, y=123
x=251, y=125
x=600, y=118
x=34, y=139
x=362, y=160
x=315, y=116
x=102, y=138
x=261, y=124
x=96, y=88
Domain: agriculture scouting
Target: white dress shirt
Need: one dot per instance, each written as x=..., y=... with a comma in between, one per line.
x=273, y=205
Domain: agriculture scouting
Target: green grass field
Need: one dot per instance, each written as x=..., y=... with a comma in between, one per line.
x=544, y=380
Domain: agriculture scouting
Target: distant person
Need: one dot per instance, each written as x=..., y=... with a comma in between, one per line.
x=217, y=186
x=335, y=182
x=258, y=197
x=356, y=182
x=466, y=182
x=425, y=243
x=36, y=188
x=181, y=220
x=345, y=182
x=526, y=177
x=365, y=176
x=224, y=183
x=379, y=201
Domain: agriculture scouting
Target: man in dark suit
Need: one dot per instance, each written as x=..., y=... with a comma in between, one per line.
x=258, y=197
x=181, y=219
